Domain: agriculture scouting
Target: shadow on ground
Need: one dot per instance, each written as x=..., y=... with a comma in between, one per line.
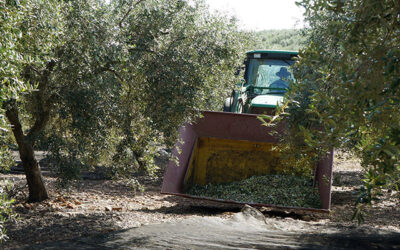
x=49, y=230
x=243, y=230
x=191, y=210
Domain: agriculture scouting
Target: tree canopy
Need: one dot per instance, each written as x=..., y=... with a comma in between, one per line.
x=347, y=90
x=284, y=39
x=112, y=80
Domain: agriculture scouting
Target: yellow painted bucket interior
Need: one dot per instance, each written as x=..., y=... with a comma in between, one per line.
x=216, y=160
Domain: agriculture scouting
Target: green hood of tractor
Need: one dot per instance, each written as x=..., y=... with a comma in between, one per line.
x=267, y=101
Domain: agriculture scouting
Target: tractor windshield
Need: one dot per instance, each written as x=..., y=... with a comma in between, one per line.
x=269, y=76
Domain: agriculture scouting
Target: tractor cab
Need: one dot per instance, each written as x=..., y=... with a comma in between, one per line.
x=266, y=80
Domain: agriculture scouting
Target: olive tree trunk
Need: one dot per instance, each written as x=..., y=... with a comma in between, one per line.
x=37, y=188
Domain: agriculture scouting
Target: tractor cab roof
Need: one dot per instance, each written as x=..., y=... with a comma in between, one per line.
x=271, y=54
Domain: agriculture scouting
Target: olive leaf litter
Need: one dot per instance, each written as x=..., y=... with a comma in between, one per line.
x=283, y=190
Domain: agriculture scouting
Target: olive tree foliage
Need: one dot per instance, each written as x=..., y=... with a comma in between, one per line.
x=11, y=84
x=282, y=39
x=114, y=80
x=10, y=87
x=346, y=93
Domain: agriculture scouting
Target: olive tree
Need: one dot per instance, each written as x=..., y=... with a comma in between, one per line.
x=11, y=87
x=115, y=79
x=347, y=90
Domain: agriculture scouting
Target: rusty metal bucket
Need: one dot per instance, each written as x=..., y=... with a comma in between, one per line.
x=226, y=147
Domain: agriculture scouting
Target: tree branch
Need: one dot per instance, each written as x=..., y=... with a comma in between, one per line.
x=144, y=50
x=115, y=74
x=176, y=41
x=34, y=69
x=13, y=117
x=129, y=11
x=43, y=114
x=39, y=125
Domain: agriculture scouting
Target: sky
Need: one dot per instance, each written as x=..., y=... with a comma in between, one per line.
x=261, y=14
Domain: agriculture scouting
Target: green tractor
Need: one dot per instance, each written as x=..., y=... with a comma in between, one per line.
x=225, y=147
x=266, y=79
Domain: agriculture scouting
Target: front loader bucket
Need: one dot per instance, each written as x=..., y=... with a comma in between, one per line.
x=226, y=147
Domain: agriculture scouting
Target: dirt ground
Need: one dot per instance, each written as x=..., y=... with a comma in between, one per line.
x=101, y=206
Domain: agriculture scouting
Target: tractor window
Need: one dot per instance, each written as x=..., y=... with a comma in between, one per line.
x=269, y=75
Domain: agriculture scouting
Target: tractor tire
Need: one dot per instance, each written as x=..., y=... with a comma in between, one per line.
x=228, y=105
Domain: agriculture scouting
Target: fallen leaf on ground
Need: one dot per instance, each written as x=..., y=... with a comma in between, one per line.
x=70, y=205
x=61, y=199
x=27, y=206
